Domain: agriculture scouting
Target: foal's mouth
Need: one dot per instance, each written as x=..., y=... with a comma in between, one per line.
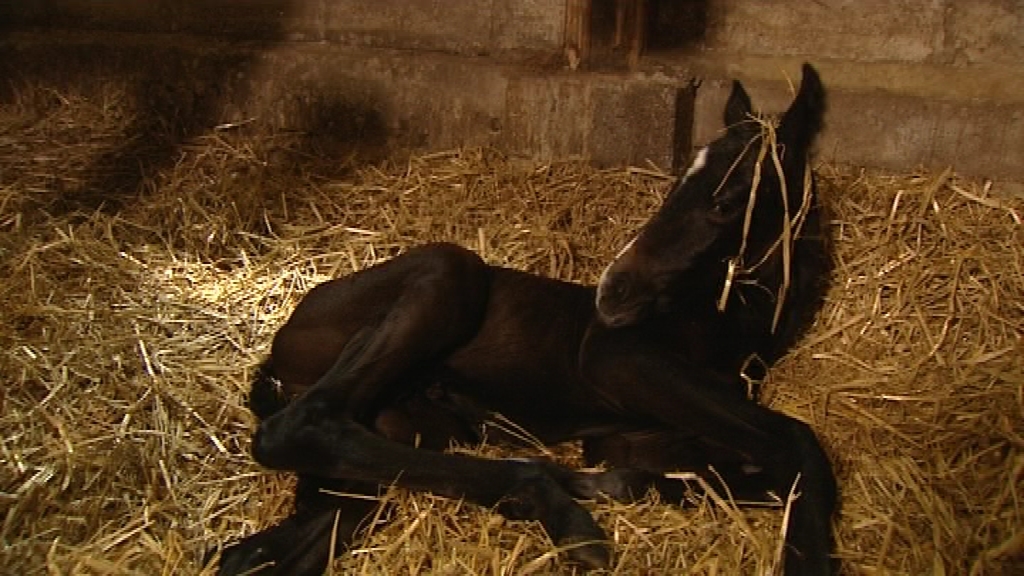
x=619, y=302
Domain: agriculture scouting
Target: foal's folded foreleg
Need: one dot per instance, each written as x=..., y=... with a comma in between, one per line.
x=518, y=489
x=638, y=380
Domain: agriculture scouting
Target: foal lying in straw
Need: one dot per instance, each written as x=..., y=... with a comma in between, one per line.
x=649, y=368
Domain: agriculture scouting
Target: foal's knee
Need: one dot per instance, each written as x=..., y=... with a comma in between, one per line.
x=301, y=436
x=266, y=396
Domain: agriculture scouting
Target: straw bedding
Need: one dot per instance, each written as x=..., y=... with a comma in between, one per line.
x=131, y=333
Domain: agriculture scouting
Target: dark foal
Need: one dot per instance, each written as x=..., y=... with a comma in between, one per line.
x=647, y=369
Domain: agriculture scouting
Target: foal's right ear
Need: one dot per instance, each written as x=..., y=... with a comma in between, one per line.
x=737, y=109
x=803, y=120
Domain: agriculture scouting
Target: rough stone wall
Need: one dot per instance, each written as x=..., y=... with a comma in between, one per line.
x=912, y=83
x=950, y=32
x=464, y=27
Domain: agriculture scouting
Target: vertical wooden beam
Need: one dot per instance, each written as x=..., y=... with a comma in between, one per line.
x=577, y=33
x=639, y=36
x=631, y=29
x=621, y=16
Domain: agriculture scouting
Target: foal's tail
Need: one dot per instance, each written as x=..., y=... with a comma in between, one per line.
x=265, y=396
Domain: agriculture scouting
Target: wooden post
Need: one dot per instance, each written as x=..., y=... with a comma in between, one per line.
x=639, y=36
x=577, y=33
x=630, y=29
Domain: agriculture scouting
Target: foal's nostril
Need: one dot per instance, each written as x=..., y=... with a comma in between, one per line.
x=613, y=304
x=615, y=288
x=621, y=288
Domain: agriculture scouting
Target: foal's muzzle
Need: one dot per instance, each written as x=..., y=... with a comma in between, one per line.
x=623, y=298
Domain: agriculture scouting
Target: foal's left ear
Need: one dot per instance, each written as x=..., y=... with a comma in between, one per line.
x=802, y=122
x=737, y=108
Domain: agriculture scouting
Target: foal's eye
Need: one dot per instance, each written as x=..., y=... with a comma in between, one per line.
x=725, y=208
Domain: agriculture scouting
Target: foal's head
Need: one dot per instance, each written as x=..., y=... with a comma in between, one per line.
x=726, y=218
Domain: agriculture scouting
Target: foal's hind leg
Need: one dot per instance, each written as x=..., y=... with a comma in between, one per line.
x=328, y=509
x=361, y=341
x=300, y=545
x=366, y=338
x=422, y=306
x=520, y=490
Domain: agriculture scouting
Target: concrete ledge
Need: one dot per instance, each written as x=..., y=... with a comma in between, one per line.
x=397, y=98
x=609, y=120
x=883, y=115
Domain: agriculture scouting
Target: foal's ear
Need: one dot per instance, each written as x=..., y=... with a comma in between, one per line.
x=737, y=108
x=802, y=122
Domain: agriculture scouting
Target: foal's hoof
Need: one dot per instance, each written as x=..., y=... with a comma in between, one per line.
x=580, y=538
x=619, y=484
x=590, y=554
x=298, y=546
x=245, y=557
x=542, y=495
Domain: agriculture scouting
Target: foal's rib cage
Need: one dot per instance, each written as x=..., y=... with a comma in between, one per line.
x=646, y=368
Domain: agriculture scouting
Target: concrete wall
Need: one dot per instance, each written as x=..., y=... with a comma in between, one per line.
x=951, y=32
x=912, y=83
x=464, y=27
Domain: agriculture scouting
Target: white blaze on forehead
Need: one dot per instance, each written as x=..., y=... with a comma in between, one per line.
x=698, y=162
